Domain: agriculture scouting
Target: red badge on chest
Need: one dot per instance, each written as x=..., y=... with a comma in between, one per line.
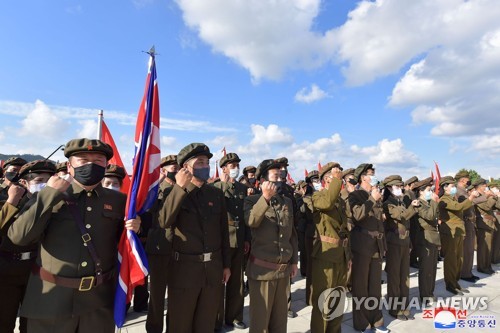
x=108, y=207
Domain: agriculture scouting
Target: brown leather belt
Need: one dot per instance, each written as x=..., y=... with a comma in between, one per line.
x=269, y=265
x=19, y=256
x=204, y=257
x=373, y=234
x=334, y=241
x=82, y=284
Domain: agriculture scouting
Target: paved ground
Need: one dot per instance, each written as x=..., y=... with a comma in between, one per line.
x=488, y=286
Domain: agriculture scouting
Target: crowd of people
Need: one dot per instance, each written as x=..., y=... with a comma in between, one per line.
x=60, y=226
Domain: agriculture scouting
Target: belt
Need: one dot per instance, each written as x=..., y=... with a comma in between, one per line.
x=373, y=234
x=234, y=223
x=19, y=256
x=204, y=257
x=267, y=264
x=82, y=284
x=334, y=241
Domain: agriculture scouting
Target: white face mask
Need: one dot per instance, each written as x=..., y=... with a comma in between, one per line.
x=37, y=187
x=112, y=187
x=373, y=180
x=317, y=186
x=397, y=191
x=487, y=189
x=234, y=173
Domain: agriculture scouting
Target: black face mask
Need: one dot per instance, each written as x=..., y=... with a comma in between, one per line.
x=279, y=187
x=283, y=174
x=89, y=174
x=469, y=183
x=12, y=176
x=353, y=181
x=251, y=181
x=171, y=175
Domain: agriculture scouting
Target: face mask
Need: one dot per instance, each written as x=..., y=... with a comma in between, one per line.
x=251, y=181
x=487, y=189
x=279, y=187
x=202, y=173
x=171, y=175
x=453, y=191
x=37, y=187
x=469, y=183
x=373, y=180
x=317, y=186
x=89, y=174
x=234, y=173
x=353, y=181
x=397, y=191
x=283, y=174
x=428, y=195
x=12, y=176
x=114, y=188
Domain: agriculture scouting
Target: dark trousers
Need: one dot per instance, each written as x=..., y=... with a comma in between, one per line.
x=427, y=269
x=193, y=310
x=301, y=236
x=495, y=247
x=484, y=246
x=234, y=292
x=366, y=277
x=453, y=249
x=468, y=249
x=96, y=321
x=414, y=251
x=326, y=275
x=13, y=281
x=309, y=272
x=398, y=277
x=158, y=277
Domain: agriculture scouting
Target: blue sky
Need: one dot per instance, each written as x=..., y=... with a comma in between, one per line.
x=396, y=83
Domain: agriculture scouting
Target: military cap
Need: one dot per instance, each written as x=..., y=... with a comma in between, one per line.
x=361, y=169
x=85, y=145
x=327, y=167
x=479, y=181
x=168, y=160
x=348, y=172
x=267, y=165
x=393, y=180
x=250, y=169
x=283, y=161
x=113, y=170
x=229, y=158
x=38, y=166
x=14, y=161
x=312, y=175
x=446, y=180
x=494, y=184
x=193, y=150
x=462, y=174
x=411, y=180
x=422, y=184
x=301, y=184
x=62, y=166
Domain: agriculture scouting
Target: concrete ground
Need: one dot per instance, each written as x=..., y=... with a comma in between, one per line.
x=487, y=286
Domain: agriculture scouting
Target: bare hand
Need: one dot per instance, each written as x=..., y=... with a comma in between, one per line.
x=294, y=270
x=376, y=194
x=15, y=193
x=337, y=173
x=133, y=224
x=183, y=177
x=473, y=194
x=226, y=274
x=268, y=190
x=246, y=247
x=250, y=191
x=415, y=203
x=59, y=183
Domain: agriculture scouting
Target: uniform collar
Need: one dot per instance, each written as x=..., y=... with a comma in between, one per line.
x=76, y=190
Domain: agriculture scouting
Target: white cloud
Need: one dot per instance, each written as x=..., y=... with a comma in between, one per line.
x=271, y=134
x=168, y=140
x=42, y=122
x=313, y=95
x=487, y=144
x=88, y=129
x=388, y=152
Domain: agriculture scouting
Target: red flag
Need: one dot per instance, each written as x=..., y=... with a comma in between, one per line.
x=224, y=151
x=305, y=173
x=319, y=166
x=436, y=180
x=116, y=159
x=289, y=179
x=217, y=169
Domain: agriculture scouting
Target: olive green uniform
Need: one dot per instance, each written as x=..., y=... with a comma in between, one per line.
x=367, y=247
x=495, y=247
x=469, y=218
x=309, y=234
x=49, y=220
x=452, y=231
x=200, y=252
x=330, y=253
x=486, y=226
x=414, y=229
x=397, y=231
x=274, y=249
x=234, y=194
x=428, y=241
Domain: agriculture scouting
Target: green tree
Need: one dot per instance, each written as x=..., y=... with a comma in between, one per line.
x=472, y=173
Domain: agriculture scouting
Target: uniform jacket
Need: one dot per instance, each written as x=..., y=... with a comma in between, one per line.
x=331, y=223
x=274, y=238
x=397, y=223
x=485, y=218
x=307, y=213
x=49, y=222
x=198, y=217
x=427, y=214
x=468, y=214
x=451, y=215
x=160, y=239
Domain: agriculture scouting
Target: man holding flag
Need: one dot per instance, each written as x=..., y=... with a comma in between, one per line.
x=77, y=223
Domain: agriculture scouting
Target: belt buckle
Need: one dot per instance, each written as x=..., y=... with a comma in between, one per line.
x=380, y=235
x=86, y=283
x=86, y=238
x=24, y=256
x=207, y=256
x=176, y=256
x=282, y=267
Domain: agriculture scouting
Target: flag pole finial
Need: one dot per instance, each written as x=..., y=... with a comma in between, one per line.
x=151, y=52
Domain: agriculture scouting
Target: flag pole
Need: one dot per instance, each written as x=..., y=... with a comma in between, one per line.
x=99, y=124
